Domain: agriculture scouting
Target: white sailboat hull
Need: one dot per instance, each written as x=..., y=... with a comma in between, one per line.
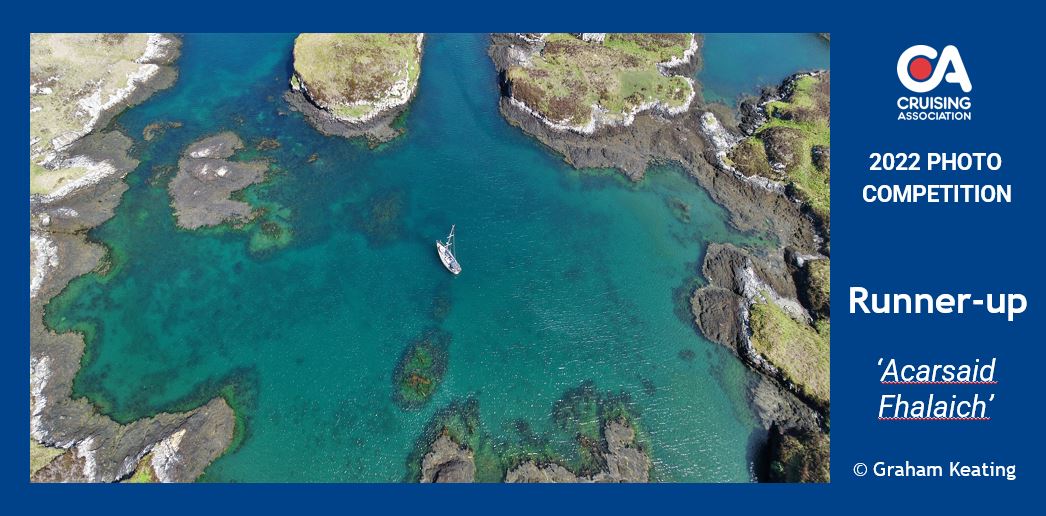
x=447, y=258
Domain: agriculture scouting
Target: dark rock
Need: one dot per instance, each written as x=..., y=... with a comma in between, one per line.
x=377, y=130
x=205, y=179
x=717, y=313
x=446, y=461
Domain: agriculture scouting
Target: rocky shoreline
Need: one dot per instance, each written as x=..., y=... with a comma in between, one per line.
x=155, y=73
x=653, y=137
x=700, y=139
x=87, y=445
x=379, y=129
x=736, y=279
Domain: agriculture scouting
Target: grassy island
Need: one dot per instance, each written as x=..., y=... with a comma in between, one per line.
x=357, y=77
x=581, y=81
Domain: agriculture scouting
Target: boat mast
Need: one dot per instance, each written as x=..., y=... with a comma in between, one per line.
x=450, y=239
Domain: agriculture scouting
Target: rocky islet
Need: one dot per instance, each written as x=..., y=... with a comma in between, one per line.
x=355, y=84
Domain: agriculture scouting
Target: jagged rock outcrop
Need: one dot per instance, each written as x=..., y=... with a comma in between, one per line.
x=448, y=462
x=738, y=279
x=206, y=178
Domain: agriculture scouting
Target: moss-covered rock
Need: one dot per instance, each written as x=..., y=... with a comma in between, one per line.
x=800, y=351
x=798, y=456
x=814, y=278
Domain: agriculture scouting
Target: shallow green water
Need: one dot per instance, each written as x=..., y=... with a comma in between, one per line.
x=737, y=64
x=568, y=276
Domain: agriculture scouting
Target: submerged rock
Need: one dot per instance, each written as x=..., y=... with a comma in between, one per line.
x=421, y=368
x=623, y=461
x=155, y=129
x=206, y=178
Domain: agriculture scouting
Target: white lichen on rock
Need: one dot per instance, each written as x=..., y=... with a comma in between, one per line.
x=165, y=455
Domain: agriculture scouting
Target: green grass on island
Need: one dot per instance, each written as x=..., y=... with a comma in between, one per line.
x=421, y=369
x=351, y=74
x=144, y=473
x=799, y=350
x=40, y=456
x=796, y=135
x=571, y=77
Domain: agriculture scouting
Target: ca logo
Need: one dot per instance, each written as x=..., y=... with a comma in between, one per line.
x=918, y=73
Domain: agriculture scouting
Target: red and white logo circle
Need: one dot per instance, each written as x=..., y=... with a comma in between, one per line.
x=919, y=73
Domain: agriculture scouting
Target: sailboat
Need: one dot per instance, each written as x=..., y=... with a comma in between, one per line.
x=446, y=253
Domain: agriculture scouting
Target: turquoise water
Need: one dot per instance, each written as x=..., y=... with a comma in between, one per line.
x=568, y=276
x=742, y=64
